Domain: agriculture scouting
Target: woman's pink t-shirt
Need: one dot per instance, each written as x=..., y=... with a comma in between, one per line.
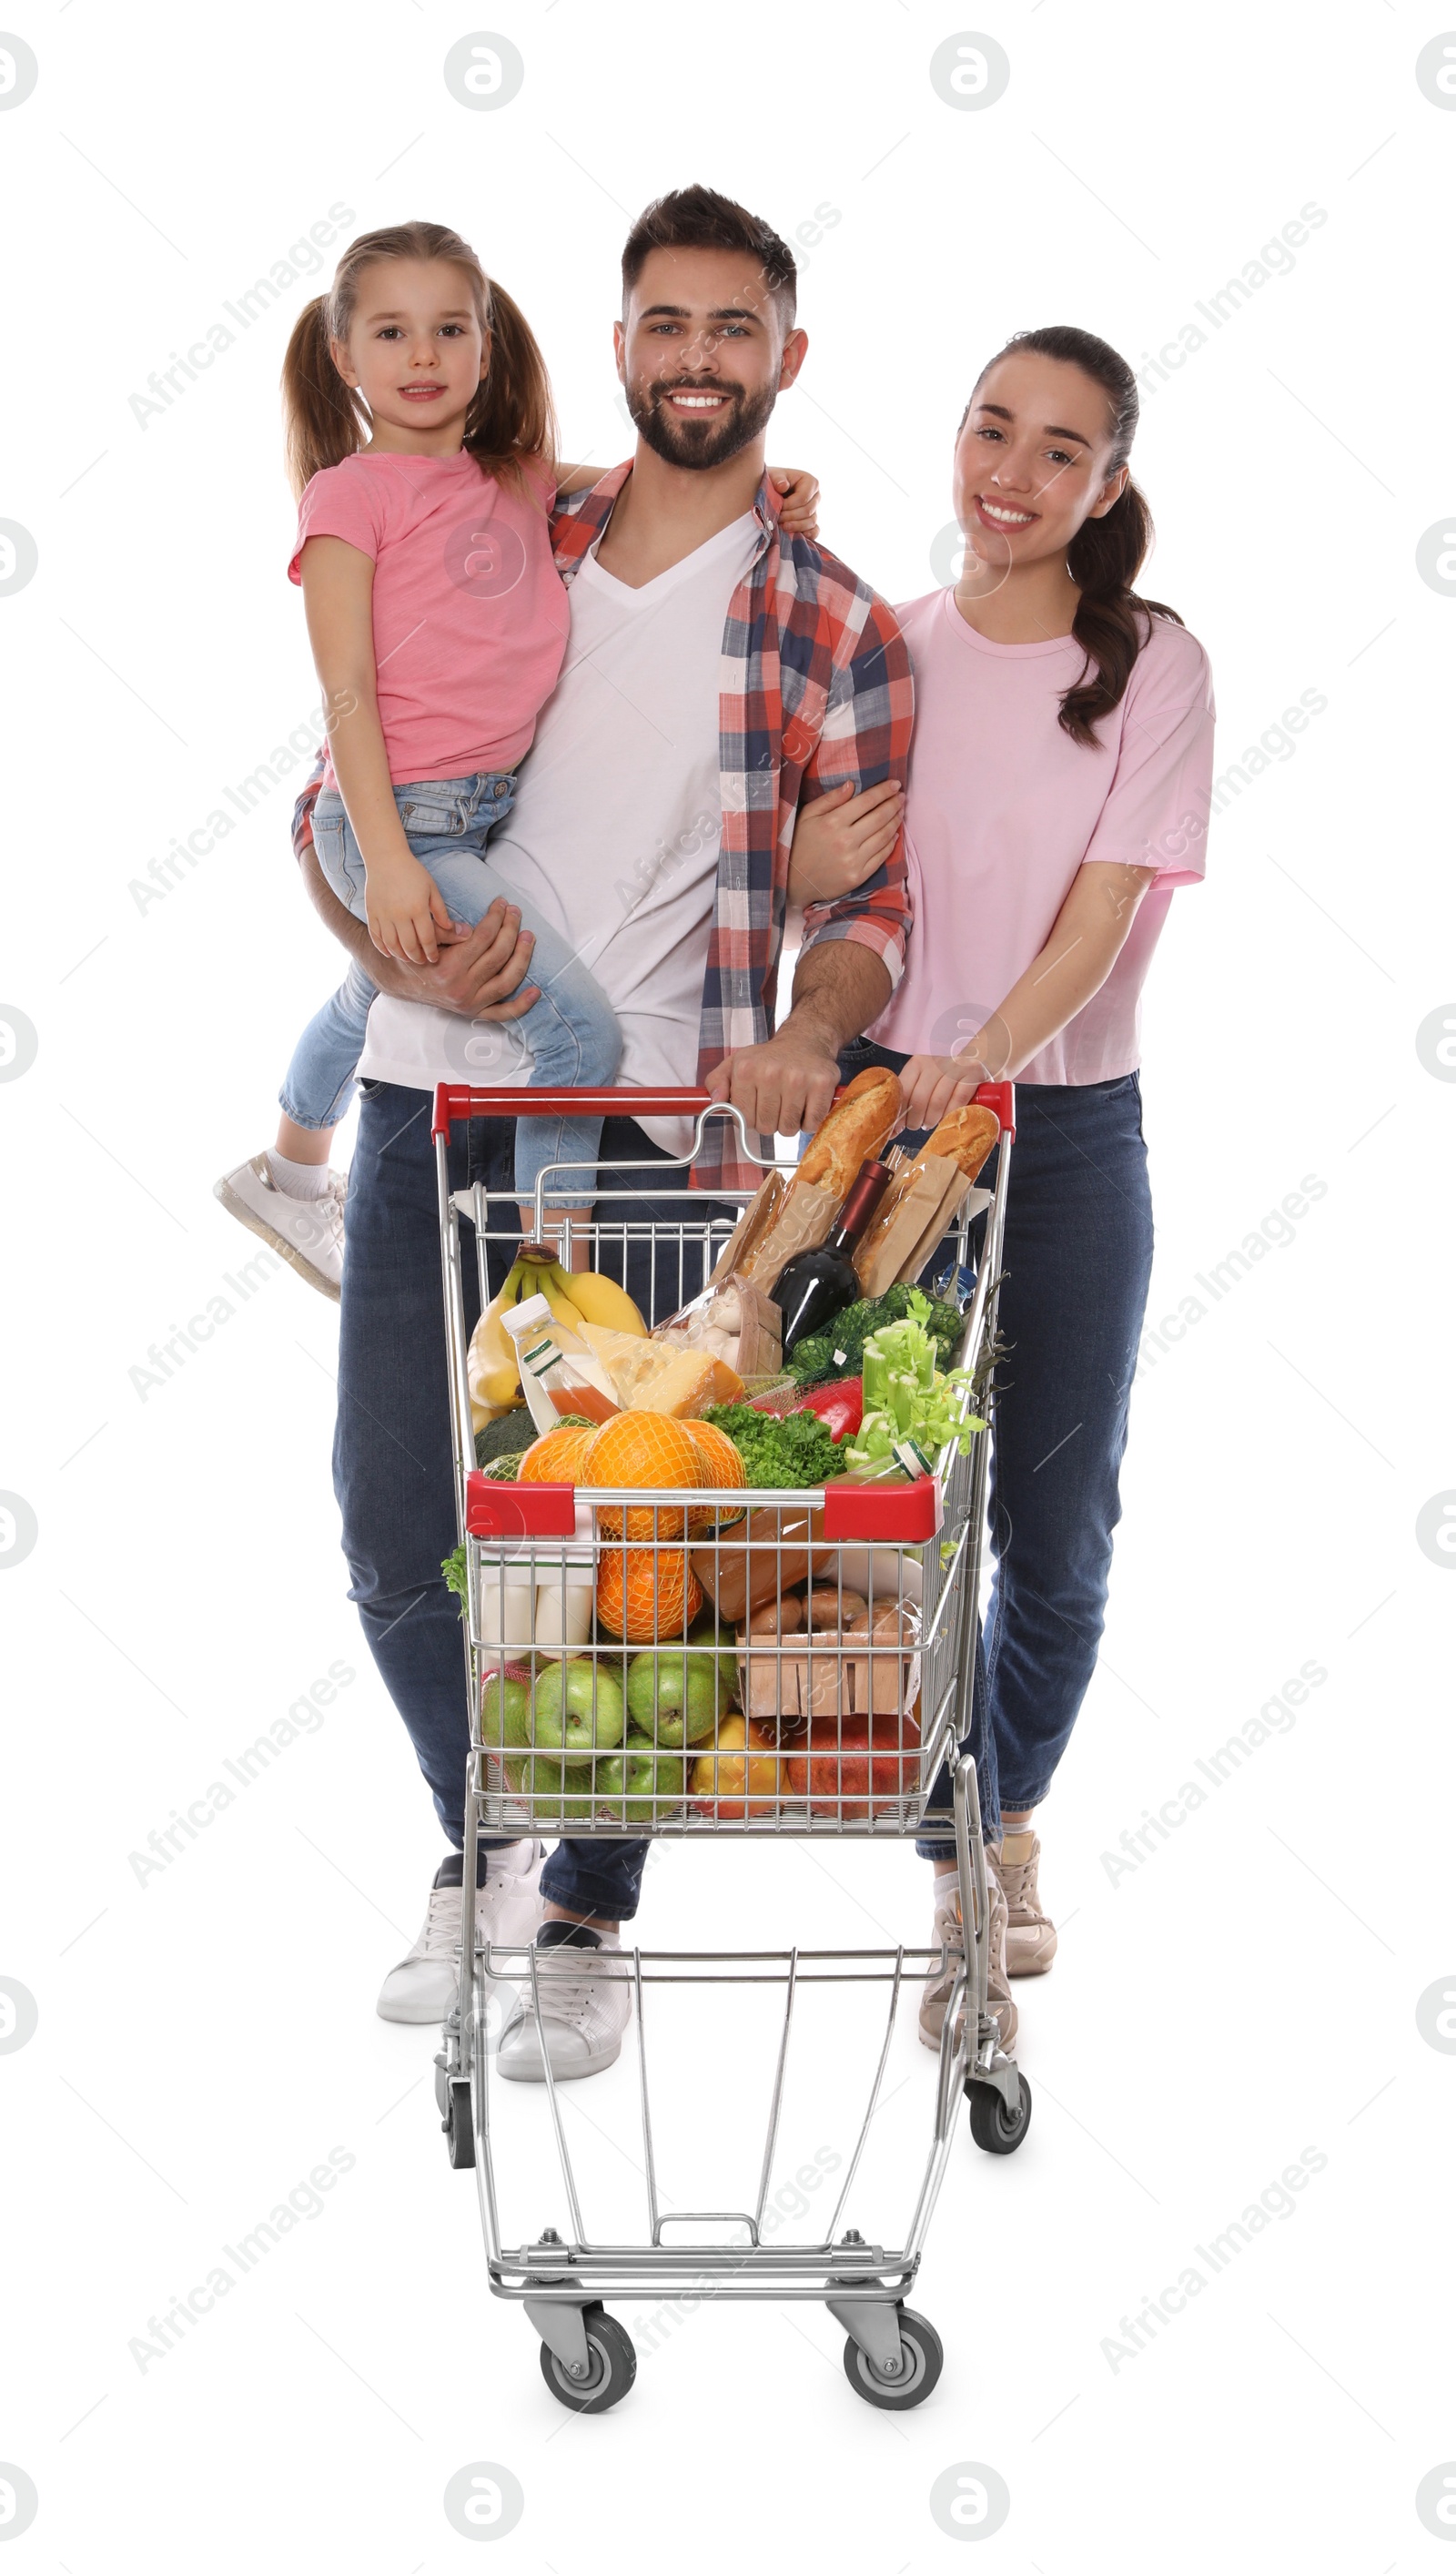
x=471, y=617
x=1004, y=807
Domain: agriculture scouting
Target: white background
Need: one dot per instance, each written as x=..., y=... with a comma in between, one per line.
x=1249, y=1988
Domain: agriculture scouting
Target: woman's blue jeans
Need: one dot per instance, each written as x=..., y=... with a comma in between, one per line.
x=1076, y=1264
x=572, y=1031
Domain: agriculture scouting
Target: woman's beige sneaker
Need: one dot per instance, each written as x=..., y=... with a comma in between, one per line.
x=1030, y=1937
x=948, y=1927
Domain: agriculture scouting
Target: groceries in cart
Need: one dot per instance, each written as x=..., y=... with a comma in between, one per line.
x=575, y=1299
x=853, y=1222
x=881, y=1218
x=760, y=1648
x=814, y=1691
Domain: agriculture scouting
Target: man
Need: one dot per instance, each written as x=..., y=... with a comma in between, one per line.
x=718, y=674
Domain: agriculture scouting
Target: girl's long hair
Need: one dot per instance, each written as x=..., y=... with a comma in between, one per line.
x=512, y=416
x=1112, y=623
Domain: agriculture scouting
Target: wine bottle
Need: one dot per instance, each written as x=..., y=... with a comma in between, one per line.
x=819, y=1284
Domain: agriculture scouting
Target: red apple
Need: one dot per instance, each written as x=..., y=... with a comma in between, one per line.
x=856, y=1766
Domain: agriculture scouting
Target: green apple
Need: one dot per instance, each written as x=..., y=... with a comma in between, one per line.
x=559, y=1793
x=675, y=1695
x=504, y=1712
x=577, y=1708
x=636, y=1778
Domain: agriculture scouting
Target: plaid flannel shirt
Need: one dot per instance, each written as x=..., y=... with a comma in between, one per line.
x=814, y=691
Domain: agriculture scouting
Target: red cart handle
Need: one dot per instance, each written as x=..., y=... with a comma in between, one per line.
x=452, y=1101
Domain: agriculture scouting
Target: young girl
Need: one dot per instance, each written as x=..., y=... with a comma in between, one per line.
x=1059, y=790
x=420, y=444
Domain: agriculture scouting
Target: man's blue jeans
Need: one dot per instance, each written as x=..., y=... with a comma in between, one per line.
x=1077, y=1263
x=393, y=1469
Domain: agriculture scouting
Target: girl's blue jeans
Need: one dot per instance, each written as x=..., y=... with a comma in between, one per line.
x=572, y=1031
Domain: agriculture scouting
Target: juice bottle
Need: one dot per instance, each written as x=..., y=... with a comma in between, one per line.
x=557, y=1372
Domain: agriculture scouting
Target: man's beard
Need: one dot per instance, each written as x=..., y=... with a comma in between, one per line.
x=698, y=444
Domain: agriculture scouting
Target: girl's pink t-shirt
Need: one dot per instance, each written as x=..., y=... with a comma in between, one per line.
x=1004, y=807
x=471, y=617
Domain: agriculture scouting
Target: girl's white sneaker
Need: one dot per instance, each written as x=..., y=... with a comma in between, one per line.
x=305, y=1232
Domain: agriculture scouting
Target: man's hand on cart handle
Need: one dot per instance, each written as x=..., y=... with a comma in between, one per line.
x=781, y=1088
x=787, y=1085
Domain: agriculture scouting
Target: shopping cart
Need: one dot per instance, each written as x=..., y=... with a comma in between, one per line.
x=848, y=1617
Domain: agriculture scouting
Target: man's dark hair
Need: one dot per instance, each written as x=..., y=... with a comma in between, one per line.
x=700, y=219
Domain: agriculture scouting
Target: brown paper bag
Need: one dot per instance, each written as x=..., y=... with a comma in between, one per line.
x=908, y=1223
x=757, y=1215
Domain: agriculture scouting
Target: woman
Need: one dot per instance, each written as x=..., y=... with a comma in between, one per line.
x=1059, y=790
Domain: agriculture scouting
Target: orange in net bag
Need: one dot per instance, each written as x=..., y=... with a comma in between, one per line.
x=719, y=1468
x=557, y=1457
x=645, y=1448
x=644, y=1595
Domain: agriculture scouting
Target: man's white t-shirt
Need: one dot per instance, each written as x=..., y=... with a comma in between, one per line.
x=613, y=839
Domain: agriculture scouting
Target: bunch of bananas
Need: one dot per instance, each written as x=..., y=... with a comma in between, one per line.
x=576, y=1297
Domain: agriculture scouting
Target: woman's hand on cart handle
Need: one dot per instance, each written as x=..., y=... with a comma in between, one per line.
x=931, y=1085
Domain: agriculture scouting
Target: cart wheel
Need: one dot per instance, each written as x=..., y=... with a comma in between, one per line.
x=613, y=2366
x=922, y=2360
x=460, y=2130
x=998, y=2129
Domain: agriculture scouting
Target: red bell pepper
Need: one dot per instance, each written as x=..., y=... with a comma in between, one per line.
x=840, y=1406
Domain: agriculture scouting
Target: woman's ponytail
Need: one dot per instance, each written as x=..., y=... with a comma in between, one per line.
x=511, y=417
x=1112, y=623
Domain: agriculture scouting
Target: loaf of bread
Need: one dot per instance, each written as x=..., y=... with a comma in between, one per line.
x=854, y=1131
x=965, y=1137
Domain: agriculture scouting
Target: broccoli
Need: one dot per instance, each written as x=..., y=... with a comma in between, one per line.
x=785, y=1455
x=840, y=1350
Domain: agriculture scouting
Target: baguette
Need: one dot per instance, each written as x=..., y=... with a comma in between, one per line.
x=965, y=1137
x=854, y=1131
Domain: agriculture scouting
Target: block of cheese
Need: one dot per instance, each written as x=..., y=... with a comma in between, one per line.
x=651, y=1375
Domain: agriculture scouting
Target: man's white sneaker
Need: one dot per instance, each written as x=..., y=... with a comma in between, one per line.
x=307, y=1232
x=582, y=2015
x=423, y=1986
